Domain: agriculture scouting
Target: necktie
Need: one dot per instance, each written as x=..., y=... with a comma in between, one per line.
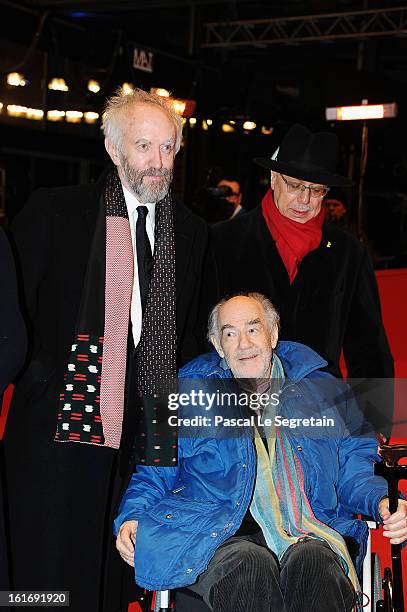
x=144, y=255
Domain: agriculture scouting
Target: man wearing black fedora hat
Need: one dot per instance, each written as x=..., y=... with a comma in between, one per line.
x=319, y=277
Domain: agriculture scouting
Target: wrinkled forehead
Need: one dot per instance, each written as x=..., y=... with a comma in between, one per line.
x=240, y=312
x=150, y=118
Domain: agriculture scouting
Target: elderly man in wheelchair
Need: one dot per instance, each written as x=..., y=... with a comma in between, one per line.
x=274, y=461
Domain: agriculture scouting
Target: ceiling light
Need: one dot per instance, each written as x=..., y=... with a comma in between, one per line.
x=57, y=84
x=192, y=121
x=127, y=88
x=35, y=113
x=72, y=116
x=93, y=86
x=364, y=111
x=178, y=106
x=55, y=115
x=249, y=125
x=16, y=79
x=266, y=130
x=159, y=91
x=226, y=127
x=91, y=117
x=14, y=110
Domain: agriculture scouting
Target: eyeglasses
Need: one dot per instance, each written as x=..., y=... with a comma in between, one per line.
x=315, y=192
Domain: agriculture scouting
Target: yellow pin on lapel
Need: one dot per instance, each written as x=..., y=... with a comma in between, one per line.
x=328, y=244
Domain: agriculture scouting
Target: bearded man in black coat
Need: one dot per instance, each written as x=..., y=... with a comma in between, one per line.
x=319, y=276
x=112, y=275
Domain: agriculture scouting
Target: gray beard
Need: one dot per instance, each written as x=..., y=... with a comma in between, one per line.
x=146, y=193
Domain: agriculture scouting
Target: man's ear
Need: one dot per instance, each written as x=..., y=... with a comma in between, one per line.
x=272, y=179
x=274, y=336
x=112, y=152
x=217, y=346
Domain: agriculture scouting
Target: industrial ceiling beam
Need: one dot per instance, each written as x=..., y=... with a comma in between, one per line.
x=121, y=5
x=309, y=28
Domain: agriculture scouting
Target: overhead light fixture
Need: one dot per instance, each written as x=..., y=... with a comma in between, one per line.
x=179, y=106
x=72, y=116
x=205, y=126
x=14, y=110
x=226, y=127
x=58, y=84
x=35, y=113
x=160, y=91
x=127, y=88
x=55, y=115
x=16, y=79
x=1, y=106
x=361, y=112
x=90, y=117
x=266, y=130
x=249, y=125
x=192, y=121
x=93, y=86
x=232, y=122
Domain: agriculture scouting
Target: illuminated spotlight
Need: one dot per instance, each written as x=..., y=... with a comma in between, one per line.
x=1, y=106
x=93, y=86
x=16, y=79
x=127, y=88
x=159, y=91
x=184, y=120
x=266, y=130
x=364, y=111
x=205, y=125
x=16, y=111
x=57, y=84
x=72, y=116
x=178, y=106
x=226, y=127
x=55, y=115
x=91, y=117
x=249, y=125
x=35, y=113
x=192, y=121
x=209, y=121
x=232, y=122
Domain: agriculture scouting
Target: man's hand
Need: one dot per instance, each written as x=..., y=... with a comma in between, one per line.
x=125, y=541
x=394, y=525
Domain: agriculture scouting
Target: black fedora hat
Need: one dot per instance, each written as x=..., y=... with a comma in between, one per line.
x=307, y=156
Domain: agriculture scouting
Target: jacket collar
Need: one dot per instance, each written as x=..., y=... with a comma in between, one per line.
x=298, y=362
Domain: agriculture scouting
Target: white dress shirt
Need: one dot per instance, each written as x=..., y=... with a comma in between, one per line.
x=132, y=203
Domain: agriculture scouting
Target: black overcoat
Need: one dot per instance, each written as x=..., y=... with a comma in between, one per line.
x=333, y=302
x=62, y=496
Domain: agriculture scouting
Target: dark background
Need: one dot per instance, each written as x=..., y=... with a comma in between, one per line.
x=353, y=50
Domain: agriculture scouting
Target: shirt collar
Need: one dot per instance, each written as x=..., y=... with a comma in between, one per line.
x=132, y=203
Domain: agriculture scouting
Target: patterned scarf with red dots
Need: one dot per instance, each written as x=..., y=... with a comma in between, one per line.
x=92, y=400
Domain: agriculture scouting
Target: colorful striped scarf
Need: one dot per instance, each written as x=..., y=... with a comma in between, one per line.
x=280, y=505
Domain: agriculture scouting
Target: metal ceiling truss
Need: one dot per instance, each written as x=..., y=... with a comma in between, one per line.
x=308, y=28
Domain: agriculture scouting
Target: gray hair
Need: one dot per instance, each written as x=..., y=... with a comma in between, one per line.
x=118, y=103
x=271, y=315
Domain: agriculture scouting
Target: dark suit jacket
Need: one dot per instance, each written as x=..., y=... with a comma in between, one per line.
x=70, y=489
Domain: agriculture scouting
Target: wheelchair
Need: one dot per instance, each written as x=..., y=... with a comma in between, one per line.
x=380, y=593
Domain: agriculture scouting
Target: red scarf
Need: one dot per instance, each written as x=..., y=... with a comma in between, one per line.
x=293, y=240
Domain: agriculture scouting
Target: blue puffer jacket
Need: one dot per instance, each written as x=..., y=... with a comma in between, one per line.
x=184, y=513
